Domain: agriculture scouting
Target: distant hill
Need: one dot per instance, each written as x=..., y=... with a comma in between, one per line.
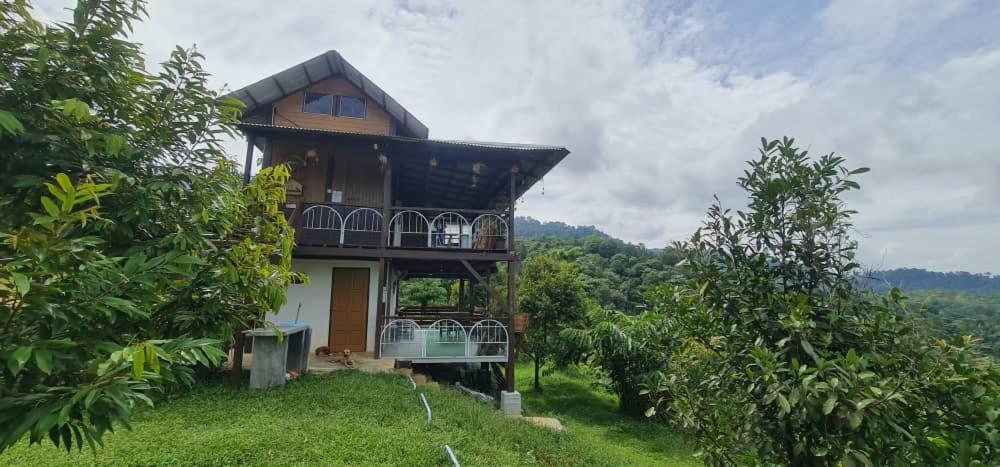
x=911, y=279
x=906, y=279
x=531, y=228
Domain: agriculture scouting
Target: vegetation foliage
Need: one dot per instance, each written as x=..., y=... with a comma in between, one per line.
x=768, y=354
x=552, y=295
x=129, y=249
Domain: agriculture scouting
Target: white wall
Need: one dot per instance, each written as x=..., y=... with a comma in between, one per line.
x=315, y=297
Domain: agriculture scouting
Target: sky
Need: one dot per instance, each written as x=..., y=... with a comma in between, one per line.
x=662, y=102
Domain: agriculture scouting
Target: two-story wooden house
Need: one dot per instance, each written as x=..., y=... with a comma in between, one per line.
x=375, y=202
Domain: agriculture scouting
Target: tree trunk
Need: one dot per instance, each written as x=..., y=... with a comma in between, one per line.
x=538, y=387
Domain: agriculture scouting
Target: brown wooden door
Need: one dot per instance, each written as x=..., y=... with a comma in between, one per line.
x=349, y=310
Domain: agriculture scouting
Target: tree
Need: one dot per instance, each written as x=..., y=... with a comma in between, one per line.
x=780, y=360
x=630, y=349
x=424, y=292
x=129, y=250
x=551, y=293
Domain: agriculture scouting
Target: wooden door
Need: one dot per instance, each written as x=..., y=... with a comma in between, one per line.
x=349, y=310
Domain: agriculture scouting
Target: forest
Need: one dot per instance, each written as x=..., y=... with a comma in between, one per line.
x=618, y=275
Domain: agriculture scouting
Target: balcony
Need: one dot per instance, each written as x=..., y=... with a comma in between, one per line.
x=334, y=225
x=444, y=340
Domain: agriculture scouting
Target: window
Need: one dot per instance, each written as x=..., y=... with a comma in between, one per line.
x=353, y=107
x=317, y=103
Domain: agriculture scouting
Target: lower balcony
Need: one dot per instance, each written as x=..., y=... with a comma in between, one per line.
x=444, y=341
x=324, y=224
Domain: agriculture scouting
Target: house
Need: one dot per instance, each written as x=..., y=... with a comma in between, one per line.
x=375, y=202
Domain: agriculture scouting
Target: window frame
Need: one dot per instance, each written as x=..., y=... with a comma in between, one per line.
x=334, y=106
x=364, y=107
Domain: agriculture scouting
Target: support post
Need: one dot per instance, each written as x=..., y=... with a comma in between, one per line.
x=248, y=164
x=380, y=307
x=511, y=282
x=511, y=247
x=268, y=153
x=511, y=309
x=461, y=295
x=386, y=202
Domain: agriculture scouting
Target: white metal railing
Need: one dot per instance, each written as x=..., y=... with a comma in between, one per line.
x=326, y=224
x=444, y=340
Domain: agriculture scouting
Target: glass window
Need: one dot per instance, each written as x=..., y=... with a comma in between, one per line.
x=351, y=107
x=318, y=103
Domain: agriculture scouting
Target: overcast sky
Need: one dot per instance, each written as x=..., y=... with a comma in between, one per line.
x=662, y=102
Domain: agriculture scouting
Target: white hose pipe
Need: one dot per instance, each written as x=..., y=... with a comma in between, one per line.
x=427, y=406
x=451, y=455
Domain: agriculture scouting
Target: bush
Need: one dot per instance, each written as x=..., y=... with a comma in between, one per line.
x=781, y=361
x=129, y=250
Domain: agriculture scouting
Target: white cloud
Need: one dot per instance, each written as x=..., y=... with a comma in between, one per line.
x=662, y=102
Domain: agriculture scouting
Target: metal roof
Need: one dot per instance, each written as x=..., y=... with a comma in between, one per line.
x=455, y=167
x=452, y=142
x=323, y=66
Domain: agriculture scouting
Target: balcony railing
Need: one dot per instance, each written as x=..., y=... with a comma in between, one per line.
x=444, y=340
x=320, y=224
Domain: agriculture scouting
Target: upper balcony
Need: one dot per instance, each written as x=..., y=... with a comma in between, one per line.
x=339, y=225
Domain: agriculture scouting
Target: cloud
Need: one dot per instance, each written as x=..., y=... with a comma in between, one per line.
x=661, y=102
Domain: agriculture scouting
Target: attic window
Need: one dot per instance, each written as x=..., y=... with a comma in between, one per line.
x=353, y=107
x=315, y=103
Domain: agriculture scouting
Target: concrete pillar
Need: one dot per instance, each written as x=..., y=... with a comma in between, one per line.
x=510, y=403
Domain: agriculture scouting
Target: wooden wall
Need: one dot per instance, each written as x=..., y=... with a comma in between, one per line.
x=288, y=111
x=354, y=170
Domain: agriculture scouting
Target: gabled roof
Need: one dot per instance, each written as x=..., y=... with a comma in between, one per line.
x=327, y=65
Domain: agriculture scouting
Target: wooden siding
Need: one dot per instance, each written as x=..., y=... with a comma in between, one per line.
x=354, y=171
x=288, y=111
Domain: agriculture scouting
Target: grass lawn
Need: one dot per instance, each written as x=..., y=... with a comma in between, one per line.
x=351, y=418
x=591, y=414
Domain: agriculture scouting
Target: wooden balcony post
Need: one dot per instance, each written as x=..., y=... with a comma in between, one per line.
x=511, y=309
x=386, y=202
x=268, y=153
x=249, y=162
x=461, y=294
x=380, y=307
x=510, y=208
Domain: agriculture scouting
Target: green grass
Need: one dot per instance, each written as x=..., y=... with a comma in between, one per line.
x=351, y=418
x=592, y=415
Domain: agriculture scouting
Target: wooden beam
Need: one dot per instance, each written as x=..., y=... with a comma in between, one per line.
x=393, y=253
x=276, y=83
x=486, y=285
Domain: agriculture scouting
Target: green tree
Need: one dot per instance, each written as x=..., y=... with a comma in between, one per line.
x=551, y=293
x=424, y=292
x=129, y=249
x=780, y=360
x=629, y=349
